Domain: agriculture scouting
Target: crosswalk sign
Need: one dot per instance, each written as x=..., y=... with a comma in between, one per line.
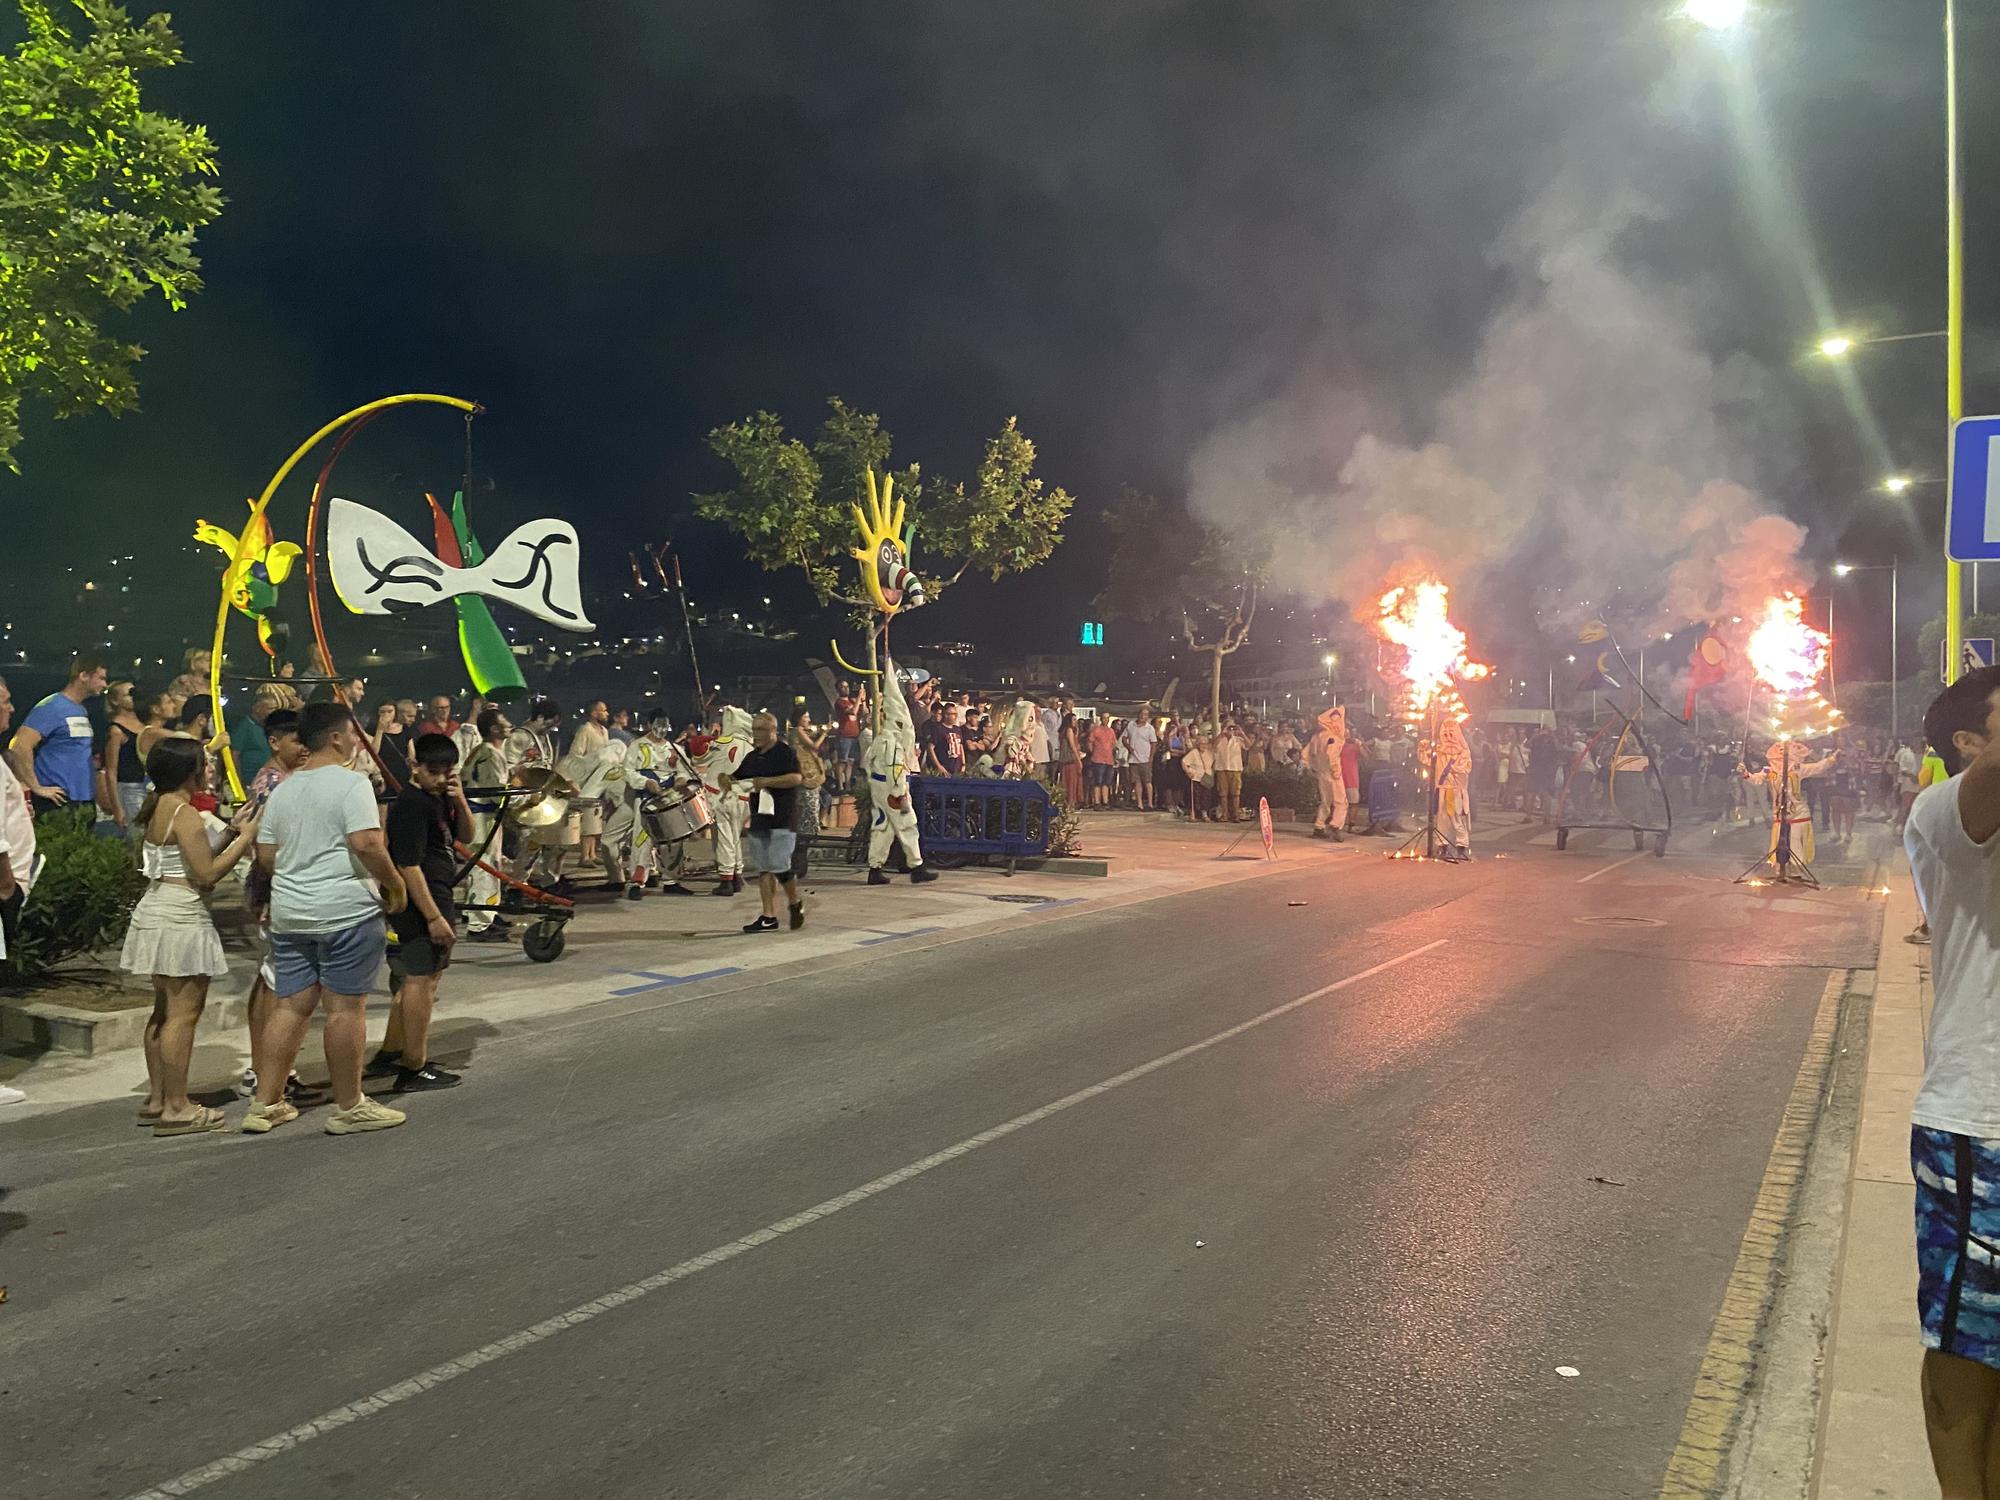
x=1979, y=652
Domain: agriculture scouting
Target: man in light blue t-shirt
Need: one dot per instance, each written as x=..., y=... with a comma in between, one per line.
x=1139, y=739
x=52, y=749
x=320, y=842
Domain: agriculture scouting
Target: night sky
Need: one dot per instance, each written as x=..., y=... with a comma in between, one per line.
x=619, y=224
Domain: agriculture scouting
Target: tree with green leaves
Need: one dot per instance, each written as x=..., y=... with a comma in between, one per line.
x=100, y=201
x=1166, y=565
x=791, y=503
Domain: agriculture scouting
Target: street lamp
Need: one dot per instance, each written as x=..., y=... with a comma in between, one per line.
x=1840, y=345
x=1716, y=15
x=1897, y=484
x=1892, y=568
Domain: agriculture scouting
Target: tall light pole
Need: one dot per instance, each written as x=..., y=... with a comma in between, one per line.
x=1954, y=322
x=1722, y=15
x=1894, y=569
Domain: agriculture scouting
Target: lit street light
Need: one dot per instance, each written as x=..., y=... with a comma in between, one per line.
x=1896, y=484
x=1716, y=15
x=1840, y=345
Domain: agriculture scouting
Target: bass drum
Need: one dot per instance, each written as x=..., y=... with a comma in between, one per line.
x=674, y=816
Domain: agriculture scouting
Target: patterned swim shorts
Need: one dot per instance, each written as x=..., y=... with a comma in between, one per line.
x=1958, y=1242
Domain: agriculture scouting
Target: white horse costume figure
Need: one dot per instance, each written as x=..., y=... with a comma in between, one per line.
x=721, y=759
x=887, y=764
x=1323, y=756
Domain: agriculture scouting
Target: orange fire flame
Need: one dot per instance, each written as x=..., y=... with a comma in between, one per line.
x=1785, y=652
x=1789, y=657
x=1436, y=655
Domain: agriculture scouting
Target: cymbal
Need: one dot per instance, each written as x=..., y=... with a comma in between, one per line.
x=549, y=805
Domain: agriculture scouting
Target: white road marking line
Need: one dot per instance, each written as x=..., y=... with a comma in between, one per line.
x=451, y=1369
x=1617, y=864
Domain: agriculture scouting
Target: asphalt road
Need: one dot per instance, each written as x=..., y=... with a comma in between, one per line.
x=931, y=1226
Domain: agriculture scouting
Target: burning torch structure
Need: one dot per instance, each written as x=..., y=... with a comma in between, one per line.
x=1436, y=658
x=1788, y=658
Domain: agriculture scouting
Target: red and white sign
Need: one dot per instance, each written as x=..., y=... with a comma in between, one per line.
x=1264, y=826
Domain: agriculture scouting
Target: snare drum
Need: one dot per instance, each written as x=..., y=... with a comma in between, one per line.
x=674, y=816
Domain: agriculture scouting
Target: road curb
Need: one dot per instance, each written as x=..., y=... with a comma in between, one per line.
x=1871, y=1438
x=1747, y=1405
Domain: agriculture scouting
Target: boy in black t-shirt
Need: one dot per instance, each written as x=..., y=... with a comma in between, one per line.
x=426, y=816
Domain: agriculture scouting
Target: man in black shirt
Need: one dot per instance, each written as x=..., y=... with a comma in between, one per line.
x=428, y=813
x=770, y=773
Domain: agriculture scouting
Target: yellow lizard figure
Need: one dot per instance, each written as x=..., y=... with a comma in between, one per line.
x=256, y=567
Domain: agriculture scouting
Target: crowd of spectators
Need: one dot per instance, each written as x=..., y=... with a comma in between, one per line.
x=354, y=809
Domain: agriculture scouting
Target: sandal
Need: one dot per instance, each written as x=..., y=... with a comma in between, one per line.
x=202, y=1121
x=147, y=1121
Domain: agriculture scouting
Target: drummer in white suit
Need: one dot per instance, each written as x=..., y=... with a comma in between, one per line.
x=664, y=808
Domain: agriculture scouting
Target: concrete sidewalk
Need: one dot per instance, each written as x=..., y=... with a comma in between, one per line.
x=1871, y=1416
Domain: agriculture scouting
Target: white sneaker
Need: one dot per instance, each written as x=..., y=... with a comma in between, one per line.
x=259, y=1119
x=11, y=1095
x=367, y=1115
x=246, y=1086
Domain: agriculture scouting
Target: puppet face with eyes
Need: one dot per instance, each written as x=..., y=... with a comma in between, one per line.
x=885, y=567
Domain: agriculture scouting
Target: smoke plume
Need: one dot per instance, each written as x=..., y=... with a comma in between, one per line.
x=1594, y=446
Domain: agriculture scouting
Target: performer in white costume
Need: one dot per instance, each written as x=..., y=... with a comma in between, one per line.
x=1018, y=739
x=720, y=760
x=1453, y=759
x=654, y=766
x=1323, y=756
x=532, y=746
x=485, y=767
x=887, y=765
x=1785, y=767
x=594, y=763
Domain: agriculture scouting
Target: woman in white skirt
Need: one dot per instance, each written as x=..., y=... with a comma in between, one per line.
x=171, y=937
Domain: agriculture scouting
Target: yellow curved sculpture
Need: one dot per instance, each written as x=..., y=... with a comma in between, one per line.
x=256, y=523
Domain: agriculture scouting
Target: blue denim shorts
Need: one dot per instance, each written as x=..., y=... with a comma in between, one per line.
x=1958, y=1242
x=346, y=962
x=769, y=851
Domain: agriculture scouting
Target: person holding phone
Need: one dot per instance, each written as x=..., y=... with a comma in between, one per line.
x=171, y=938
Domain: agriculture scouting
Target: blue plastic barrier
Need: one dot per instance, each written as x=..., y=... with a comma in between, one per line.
x=983, y=815
x=1385, y=796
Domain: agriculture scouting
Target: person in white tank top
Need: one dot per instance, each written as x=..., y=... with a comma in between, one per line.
x=171, y=938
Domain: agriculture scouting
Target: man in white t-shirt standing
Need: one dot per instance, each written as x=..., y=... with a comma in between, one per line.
x=320, y=842
x=1953, y=839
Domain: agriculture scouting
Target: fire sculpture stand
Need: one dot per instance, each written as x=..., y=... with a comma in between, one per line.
x=1783, y=861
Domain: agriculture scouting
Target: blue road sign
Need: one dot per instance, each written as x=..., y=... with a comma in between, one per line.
x=1979, y=652
x=1972, y=513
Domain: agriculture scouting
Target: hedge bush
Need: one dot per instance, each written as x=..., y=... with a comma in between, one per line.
x=82, y=900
